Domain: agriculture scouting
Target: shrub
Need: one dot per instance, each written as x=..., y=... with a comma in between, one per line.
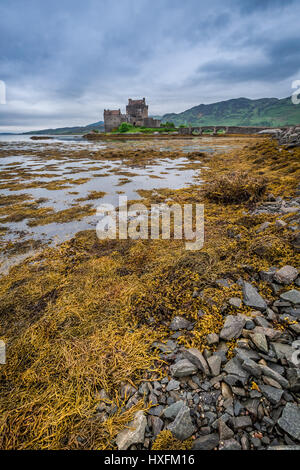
x=236, y=187
x=125, y=127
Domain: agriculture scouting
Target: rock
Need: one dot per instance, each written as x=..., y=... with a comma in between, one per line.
x=208, y=442
x=182, y=427
x=286, y=275
x=292, y=296
x=196, y=358
x=168, y=347
x=214, y=363
x=180, y=323
x=263, y=227
x=233, y=327
x=265, y=370
x=241, y=422
x=235, y=302
x=252, y=298
x=283, y=448
x=225, y=432
x=157, y=424
x=230, y=444
x=235, y=368
x=260, y=342
x=290, y=420
x=251, y=367
x=282, y=351
x=272, y=394
x=212, y=338
x=183, y=368
x=2, y=352
x=135, y=433
x=280, y=224
x=173, y=385
x=172, y=411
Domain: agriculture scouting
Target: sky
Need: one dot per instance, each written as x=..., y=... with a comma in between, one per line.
x=64, y=61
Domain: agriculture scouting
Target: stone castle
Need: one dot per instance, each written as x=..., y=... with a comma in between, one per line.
x=136, y=114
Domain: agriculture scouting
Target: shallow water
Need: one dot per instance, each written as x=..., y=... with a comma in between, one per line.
x=66, y=159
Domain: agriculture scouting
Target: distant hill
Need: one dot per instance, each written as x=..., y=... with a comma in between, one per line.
x=240, y=112
x=69, y=130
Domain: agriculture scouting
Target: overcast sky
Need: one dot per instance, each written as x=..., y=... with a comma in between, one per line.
x=64, y=61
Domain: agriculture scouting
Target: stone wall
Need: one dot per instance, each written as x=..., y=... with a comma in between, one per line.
x=113, y=119
x=227, y=129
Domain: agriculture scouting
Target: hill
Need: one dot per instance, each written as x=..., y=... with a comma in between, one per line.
x=69, y=130
x=240, y=112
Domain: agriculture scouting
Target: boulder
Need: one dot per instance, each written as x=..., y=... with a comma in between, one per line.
x=182, y=427
x=183, y=368
x=290, y=420
x=233, y=327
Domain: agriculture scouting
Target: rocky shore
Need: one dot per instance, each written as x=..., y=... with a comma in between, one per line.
x=240, y=400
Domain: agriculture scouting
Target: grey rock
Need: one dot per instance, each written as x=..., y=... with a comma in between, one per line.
x=274, y=375
x=212, y=338
x=260, y=342
x=180, y=323
x=233, y=327
x=241, y=422
x=225, y=432
x=284, y=447
x=235, y=302
x=157, y=424
x=230, y=444
x=173, y=385
x=271, y=393
x=183, y=368
x=172, y=411
x=208, y=442
x=196, y=358
x=286, y=275
x=134, y=434
x=214, y=363
x=234, y=367
x=252, y=298
x=292, y=296
x=182, y=427
x=290, y=420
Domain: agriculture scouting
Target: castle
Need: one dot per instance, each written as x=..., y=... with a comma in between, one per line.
x=136, y=114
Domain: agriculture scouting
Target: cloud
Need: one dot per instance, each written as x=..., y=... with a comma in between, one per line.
x=65, y=61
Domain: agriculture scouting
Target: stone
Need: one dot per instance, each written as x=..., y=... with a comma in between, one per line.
x=271, y=393
x=286, y=275
x=241, y=422
x=182, y=427
x=180, y=323
x=2, y=352
x=232, y=328
x=265, y=370
x=252, y=298
x=263, y=227
x=282, y=351
x=235, y=302
x=290, y=420
x=235, y=368
x=173, y=385
x=212, y=338
x=157, y=424
x=225, y=432
x=292, y=296
x=214, y=363
x=183, y=368
x=260, y=342
x=134, y=434
x=197, y=358
x=280, y=224
x=230, y=444
x=208, y=442
x=172, y=411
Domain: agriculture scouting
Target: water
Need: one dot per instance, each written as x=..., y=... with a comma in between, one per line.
x=68, y=158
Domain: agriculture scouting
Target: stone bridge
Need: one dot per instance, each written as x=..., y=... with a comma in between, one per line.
x=214, y=130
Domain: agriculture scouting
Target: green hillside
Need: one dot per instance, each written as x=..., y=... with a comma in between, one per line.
x=240, y=112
